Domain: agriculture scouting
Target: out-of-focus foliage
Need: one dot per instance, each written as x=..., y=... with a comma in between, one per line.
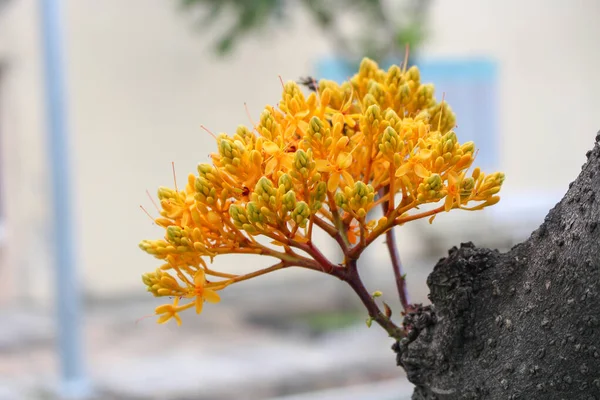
x=357, y=28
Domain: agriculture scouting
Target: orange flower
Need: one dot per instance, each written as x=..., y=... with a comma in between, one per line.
x=279, y=157
x=201, y=292
x=336, y=169
x=353, y=232
x=454, y=187
x=169, y=311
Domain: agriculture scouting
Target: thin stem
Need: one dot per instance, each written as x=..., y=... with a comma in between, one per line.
x=383, y=198
x=413, y=217
x=326, y=265
x=363, y=232
x=390, y=191
x=353, y=279
x=390, y=240
x=332, y=231
x=392, y=220
x=219, y=274
x=297, y=262
x=337, y=221
x=289, y=256
x=310, y=227
x=279, y=265
x=326, y=214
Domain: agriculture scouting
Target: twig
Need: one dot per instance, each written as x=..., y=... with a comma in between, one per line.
x=353, y=279
x=390, y=240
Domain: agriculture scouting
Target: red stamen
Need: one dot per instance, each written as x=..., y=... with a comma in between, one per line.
x=174, y=176
x=209, y=132
x=152, y=200
x=147, y=213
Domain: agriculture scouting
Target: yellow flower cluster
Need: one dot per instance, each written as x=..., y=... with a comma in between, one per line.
x=323, y=160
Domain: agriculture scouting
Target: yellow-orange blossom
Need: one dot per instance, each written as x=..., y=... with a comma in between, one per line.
x=313, y=160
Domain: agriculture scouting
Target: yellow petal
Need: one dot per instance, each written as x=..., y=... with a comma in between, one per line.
x=344, y=160
x=302, y=125
x=321, y=166
x=199, y=304
x=452, y=179
x=270, y=167
x=301, y=114
x=270, y=147
x=421, y=171
x=349, y=121
x=448, y=203
x=163, y=309
x=200, y=278
x=348, y=178
x=211, y=296
x=163, y=319
x=342, y=142
x=424, y=154
x=289, y=131
x=403, y=170
x=300, y=238
x=333, y=182
x=287, y=161
x=178, y=319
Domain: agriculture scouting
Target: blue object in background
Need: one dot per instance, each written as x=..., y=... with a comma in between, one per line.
x=73, y=384
x=470, y=87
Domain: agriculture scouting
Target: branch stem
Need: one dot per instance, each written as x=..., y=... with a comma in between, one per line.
x=390, y=240
x=353, y=279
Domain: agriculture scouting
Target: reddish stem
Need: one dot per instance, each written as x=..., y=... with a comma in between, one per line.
x=390, y=239
x=350, y=275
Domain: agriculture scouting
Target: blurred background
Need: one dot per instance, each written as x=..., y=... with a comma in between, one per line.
x=140, y=78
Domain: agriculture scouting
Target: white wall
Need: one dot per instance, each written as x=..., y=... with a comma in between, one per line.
x=141, y=81
x=550, y=91
x=24, y=267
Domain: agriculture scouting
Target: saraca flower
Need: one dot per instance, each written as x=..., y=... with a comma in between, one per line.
x=321, y=160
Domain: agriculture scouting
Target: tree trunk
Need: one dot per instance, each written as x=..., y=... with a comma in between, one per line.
x=518, y=325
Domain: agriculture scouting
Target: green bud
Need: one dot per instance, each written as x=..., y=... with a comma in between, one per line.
x=340, y=200
x=377, y=91
x=466, y=187
x=394, y=75
x=301, y=214
x=244, y=133
x=303, y=163
x=468, y=147
x=174, y=234
x=392, y=117
x=253, y=213
x=286, y=181
x=166, y=193
x=373, y=114
x=404, y=94
x=315, y=126
x=369, y=100
x=238, y=215
x=414, y=75
x=289, y=201
x=204, y=169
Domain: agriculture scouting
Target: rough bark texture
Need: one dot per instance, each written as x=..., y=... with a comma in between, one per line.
x=519, y=325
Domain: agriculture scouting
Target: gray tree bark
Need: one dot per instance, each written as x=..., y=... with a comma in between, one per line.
x=518, y=325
